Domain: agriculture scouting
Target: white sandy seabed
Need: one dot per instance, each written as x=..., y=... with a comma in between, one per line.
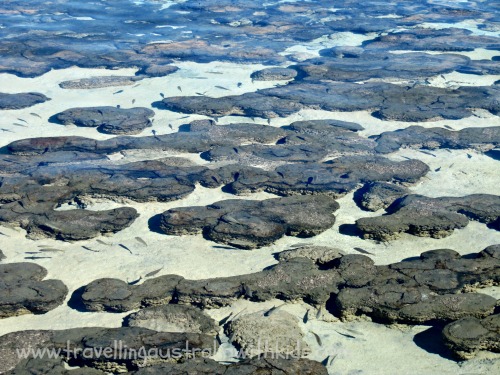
x=377, y=349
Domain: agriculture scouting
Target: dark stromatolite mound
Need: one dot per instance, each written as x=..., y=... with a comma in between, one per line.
x=334, y=178
x=421, y=290
x=250, y=224
x=305, y=141
x=254, y=104
x=320, y=127
x=465, y=337
x=383, y=65
x=376, y=195
x=117, y=296
x=22, y=100
x=173, y=318
x=158, y=70
x=100, y=82
x=296, y=279
x=197, y=137
x=108, y=349
x=23, y=290
x=109, y=120
x=432, y=217
x=31, y=196
x=386, y=101
x=274, y=74
x=52, y=366
x=41, y=221
x=413, y=291
x=433, y=138
x=267, y=364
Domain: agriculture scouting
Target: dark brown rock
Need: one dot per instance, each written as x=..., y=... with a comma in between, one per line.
x=249, y=224
x=432, y=217
x=23, y=290
x=466, y=336
x=20, y=101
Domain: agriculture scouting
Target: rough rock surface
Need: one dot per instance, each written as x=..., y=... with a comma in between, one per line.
x=376, y=195
x=23, y=290
x=249, y=224
x=422, y=290
x=431, y=217
x=346, y=67
x=109, y=120
x=433, y=138
x=466, y=336
x=260, y=36
x=267, y=364
x=273, y=332
x=321, y=255
x=158, y=70
x=173, y=318
x=304, y=141
x=30, y=197
x=49, y=367
x=274, y=74
x=296, y=279
x=199, y=136
x=435, y=287
x=334, y=178
x=385, y=100
x=20, y=101
x=40, y=220
x=106, y=349
x=423, y=39
x=2, y=256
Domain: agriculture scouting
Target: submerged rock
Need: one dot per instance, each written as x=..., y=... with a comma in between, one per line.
x=466, y=336
x=274, y=74
x=158, y=70
x=99, y=82
x=250, y=224
x=23, y=290
x=431, y=217
x=428, y=39
x=22, y=100
x=358, y=66
x=109, y=120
